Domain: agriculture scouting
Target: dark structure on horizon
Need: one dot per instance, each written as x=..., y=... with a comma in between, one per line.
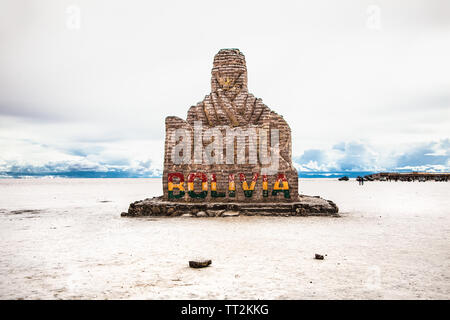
x=408, y=176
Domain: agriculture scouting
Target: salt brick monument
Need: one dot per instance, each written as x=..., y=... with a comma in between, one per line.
x=231, y=156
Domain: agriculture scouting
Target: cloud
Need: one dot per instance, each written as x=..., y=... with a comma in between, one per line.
x=357, y=156
x=72, y=158
x=433, y=156
x=312, y=155
x=79, y=168
x=34, y=114
x=344, y=156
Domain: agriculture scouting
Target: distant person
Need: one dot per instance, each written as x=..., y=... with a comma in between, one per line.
x=360, y=180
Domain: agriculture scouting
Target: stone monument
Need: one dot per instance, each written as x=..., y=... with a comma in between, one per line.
x=231, y=156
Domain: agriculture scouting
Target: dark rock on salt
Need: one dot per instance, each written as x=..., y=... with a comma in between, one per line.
x=319, y=256
x=199, y=263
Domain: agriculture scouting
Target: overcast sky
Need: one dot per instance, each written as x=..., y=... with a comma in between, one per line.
x=86, y=85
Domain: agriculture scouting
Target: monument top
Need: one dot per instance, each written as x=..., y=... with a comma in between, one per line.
x=229, y=72
x=229, y=102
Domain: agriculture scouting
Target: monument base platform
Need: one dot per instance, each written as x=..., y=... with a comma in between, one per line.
x=305, y=206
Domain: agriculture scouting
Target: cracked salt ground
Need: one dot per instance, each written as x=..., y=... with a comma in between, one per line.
x=392, y=241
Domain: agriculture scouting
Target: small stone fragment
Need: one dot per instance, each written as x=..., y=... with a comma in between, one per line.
x=186, y=215
x=319, y=256
x=156, y=210
x=214, y=213
x=230, y=214
x=199, y=263
x=201, y=214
